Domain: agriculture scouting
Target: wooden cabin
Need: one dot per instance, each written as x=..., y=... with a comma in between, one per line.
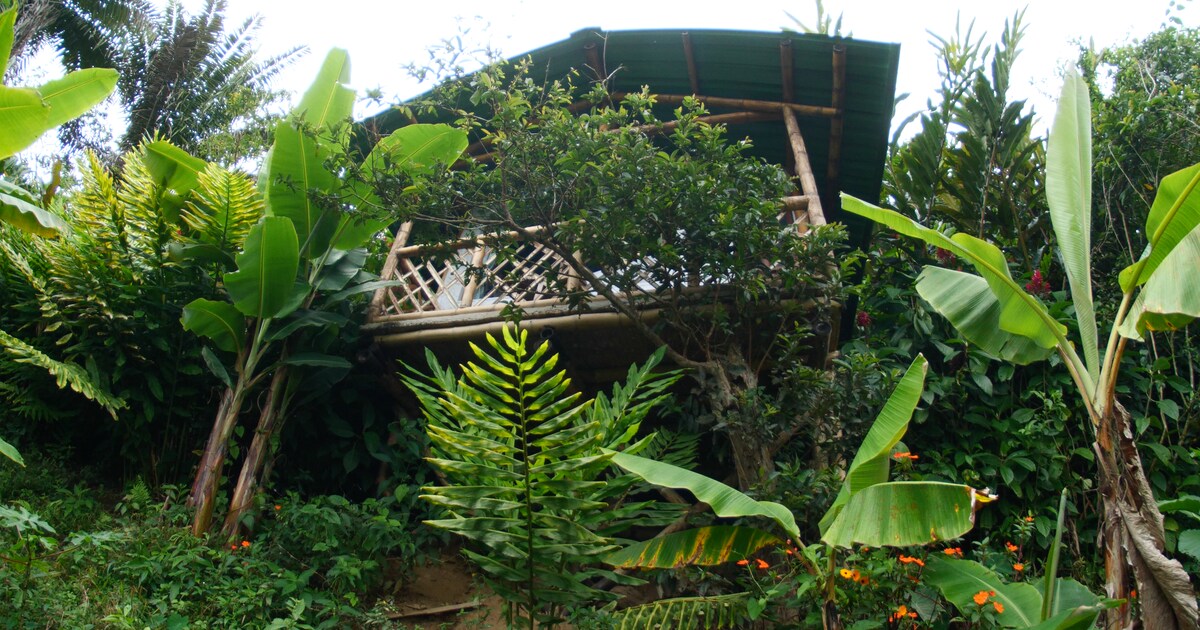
x=817, y=105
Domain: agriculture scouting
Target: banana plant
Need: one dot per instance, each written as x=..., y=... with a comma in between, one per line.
x=992, y=310
x=303, y=257
x=869, y=509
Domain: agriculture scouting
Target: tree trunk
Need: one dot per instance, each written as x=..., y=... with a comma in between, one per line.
x=208, y=474
x=726, y=387
x=249, y=479
x=1132, y=536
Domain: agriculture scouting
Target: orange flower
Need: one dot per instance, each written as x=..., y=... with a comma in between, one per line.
x=278, y=507
x=742, y=563
x=999, y=607
x=854, y=575
x=789, y=552
x=864, y=581
x=1028, y=519
x=1011, y=547
x=762, y=564
x=245, y=543
x=953, y=551
x=1018, y=567
x=911, y=560
x=844, y=573
x=980, y=598
x=901, y=613
x=905, y=455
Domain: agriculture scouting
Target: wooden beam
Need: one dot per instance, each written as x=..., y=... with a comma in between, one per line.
x=743, y=104
x=837, y=123
x=595, y=61
x=808, y=182
x=787, y=71
x=690, y=56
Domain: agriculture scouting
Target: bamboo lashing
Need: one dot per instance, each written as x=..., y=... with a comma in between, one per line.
x=808, y=182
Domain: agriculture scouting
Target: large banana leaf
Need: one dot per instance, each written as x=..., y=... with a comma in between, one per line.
x=172, y=167
x=328, y=101
x=960, y=580
x=871, y=462
x=972, y=308
x=903, y=513
x=1171, y=298
x=1174, y=214
x=724, y=501
x=23, y=119
x=219, y=321
x=262, y=286
x=73, y=95
x=18, y=209
x=704, y=546
x=1069, y=193
x=1020, y=313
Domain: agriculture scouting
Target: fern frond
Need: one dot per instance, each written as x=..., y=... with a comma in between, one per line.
x=99, y=214
x=65, y=374
x=685, y=613
x=223, y=208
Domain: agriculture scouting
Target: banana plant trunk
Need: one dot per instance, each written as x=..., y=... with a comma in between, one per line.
x=1132, y=536
x=212, y=462
x=250, y=477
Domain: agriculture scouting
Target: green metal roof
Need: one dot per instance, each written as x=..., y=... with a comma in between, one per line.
x=747, y=65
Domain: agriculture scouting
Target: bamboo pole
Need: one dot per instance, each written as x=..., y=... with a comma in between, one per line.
x=787, y=70
x=837, y=123
x=469, y=292
x=742, y=104
x=735, y=118
x=690, y=56
x=808, y=182
x=595, y=61
x=389, y=269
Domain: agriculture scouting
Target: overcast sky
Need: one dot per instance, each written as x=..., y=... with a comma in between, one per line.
x=384, y=36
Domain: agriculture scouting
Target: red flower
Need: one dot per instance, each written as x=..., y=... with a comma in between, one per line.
x=863, y=319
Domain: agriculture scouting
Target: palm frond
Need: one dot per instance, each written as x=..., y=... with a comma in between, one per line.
x=685, y=613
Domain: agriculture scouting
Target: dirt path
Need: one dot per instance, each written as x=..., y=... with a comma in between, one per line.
x=446, y=596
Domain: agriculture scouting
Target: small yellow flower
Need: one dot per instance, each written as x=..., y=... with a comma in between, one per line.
x=845, y=573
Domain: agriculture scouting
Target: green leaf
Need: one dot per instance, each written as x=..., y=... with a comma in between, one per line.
x=215, y=366
x=1171, y=298
x=8, y=20
x=306, y=319
x=317, y=359
x=415, y=149
x=66, y=375
x=1069, y=193
x=1020, y=313
x=340, y=268
x=724, y=501
x=353, y=233
x=703, y=546
x=263, y=284
x=969, y=304
x=1189, y=543
x=1174, y=215
x=328, y=101
x=903, y=513
x=172, y=167
x=73, y=95
x=960, y=580
x=219, y=321
x=204, y=253
x=296, y=177
x=8, y=451
x=871, y=463
x=24, y=117
x=16, y=211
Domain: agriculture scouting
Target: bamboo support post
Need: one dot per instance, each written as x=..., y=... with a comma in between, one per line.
x=690, y=56
x=787, y=70
x=808, y=181
x=734, y=118
x=389, y=269
x=837, y=123
x=469, y=292
x=595, y=61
